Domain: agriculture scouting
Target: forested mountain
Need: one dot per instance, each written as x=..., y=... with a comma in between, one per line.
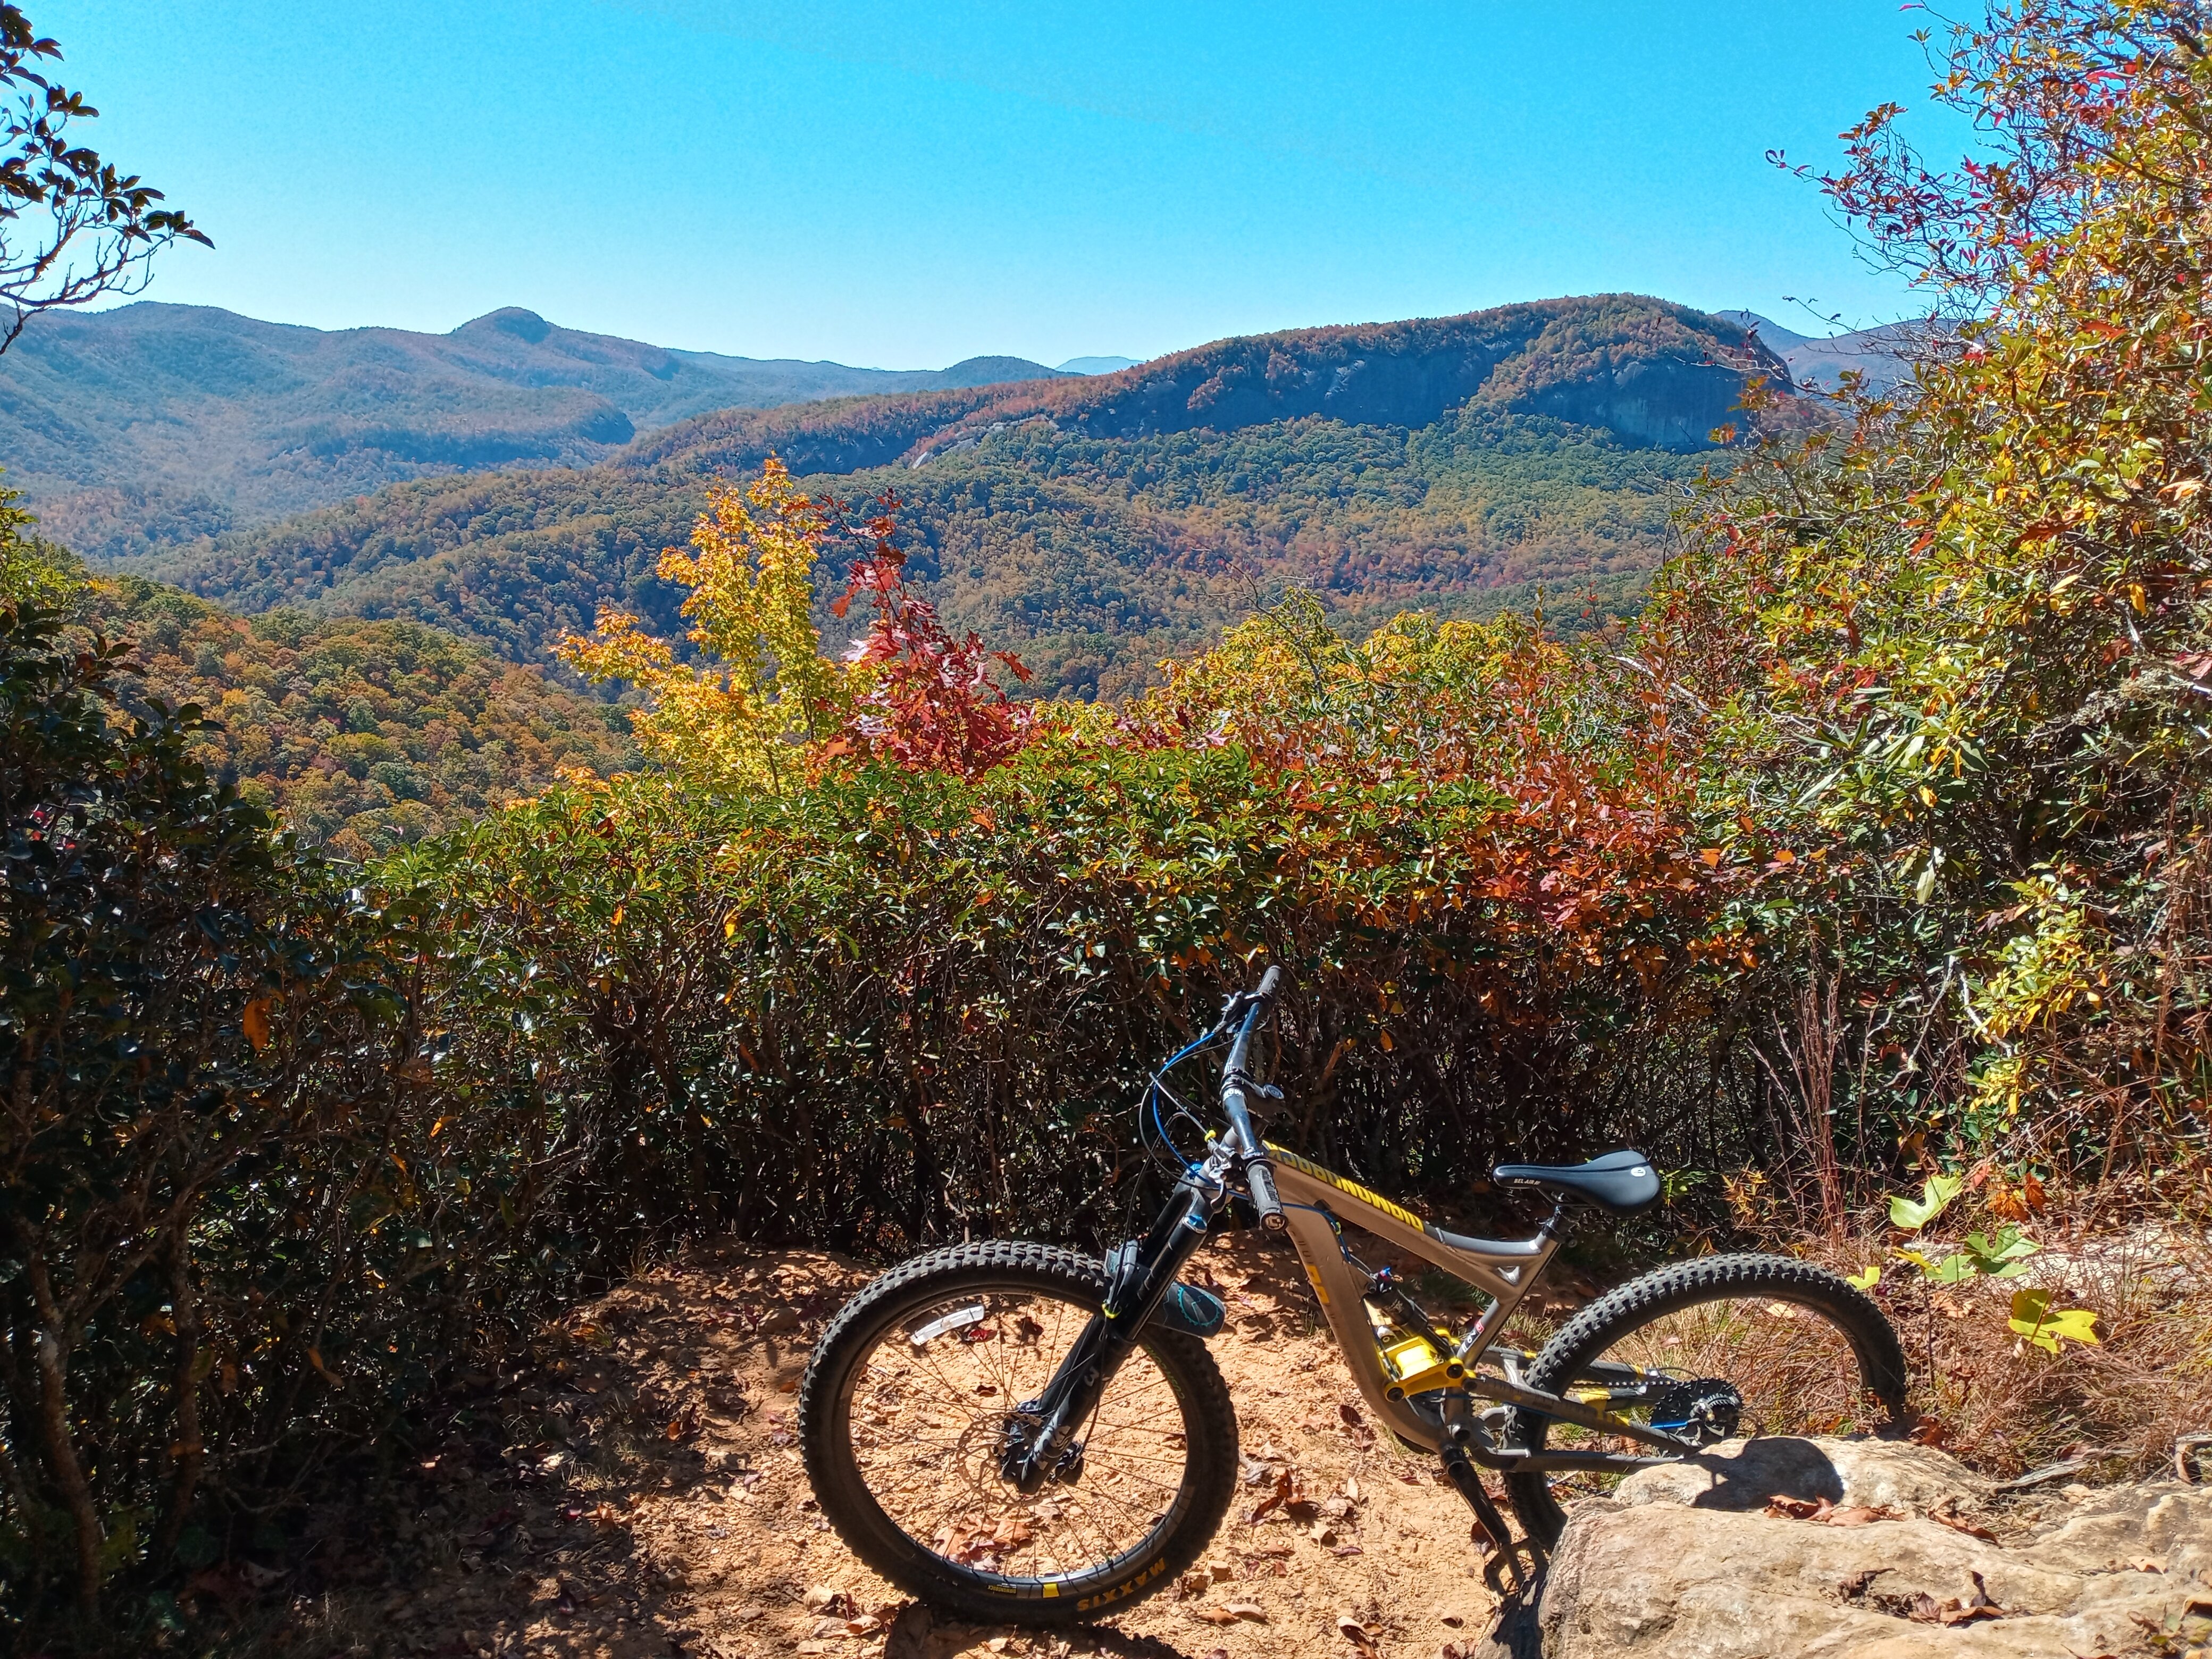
x=359, y=733
x=1098, y=523
x=133, y=428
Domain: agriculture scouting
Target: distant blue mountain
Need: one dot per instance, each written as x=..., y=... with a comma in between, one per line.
x=1881, y=356
x=149, y=425
x=1097, y=365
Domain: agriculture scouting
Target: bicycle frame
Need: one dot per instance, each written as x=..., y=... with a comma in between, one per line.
x=1315, y=1199
x=1293, y=1195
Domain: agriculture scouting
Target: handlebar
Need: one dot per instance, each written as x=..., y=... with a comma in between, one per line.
x=1254, y=1006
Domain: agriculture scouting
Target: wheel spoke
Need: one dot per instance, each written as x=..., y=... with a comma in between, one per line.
x=1760, y=1347
x=929, y=1421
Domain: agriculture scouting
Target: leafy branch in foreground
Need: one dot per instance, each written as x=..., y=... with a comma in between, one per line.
x=72, y=227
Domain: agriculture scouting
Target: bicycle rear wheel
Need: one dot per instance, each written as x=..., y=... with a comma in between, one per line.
x=1726, y=1347
x=904, y=1413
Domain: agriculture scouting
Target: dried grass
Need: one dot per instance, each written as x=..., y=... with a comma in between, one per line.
x=2136, y=1253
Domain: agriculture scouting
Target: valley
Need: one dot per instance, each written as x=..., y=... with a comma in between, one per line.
x=150, y=425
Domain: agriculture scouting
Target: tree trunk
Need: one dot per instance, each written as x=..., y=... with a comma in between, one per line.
x=61, y=1457
x=185, y=1311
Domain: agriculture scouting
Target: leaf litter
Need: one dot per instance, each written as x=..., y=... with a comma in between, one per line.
x=670, y=1515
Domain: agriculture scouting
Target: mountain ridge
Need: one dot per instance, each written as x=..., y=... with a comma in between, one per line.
x=152, y=424
x=1097, y=524
x=1883, y=357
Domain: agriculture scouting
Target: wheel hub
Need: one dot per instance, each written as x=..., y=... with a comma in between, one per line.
x=1705, y=1409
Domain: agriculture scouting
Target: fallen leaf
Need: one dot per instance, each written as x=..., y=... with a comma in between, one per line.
x=1352, y=1418
x=1353, y=1631
x=1217, y=1615
x=1287, y=1498
x=1796, y=1508
x=1251, y=1610
x=1826, y=1513
x=1947, y=1514
x=1957, y=1610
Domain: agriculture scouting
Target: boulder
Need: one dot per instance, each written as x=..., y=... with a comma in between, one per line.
x=1748, y=1475
x=1690, y=1562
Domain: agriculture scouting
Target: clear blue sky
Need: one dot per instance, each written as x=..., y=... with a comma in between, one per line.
x=906, y=184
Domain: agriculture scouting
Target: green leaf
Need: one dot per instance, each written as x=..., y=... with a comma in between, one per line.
x=1866, y=1278
x=2004, y=1256
x=1954, y=1270
x=2033, y=1317
x=1935, y=1196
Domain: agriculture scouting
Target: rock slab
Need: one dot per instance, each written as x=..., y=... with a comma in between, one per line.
x=1687, y=1562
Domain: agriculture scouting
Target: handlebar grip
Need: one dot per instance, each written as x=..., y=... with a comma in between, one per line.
x=1270, y=983
x=1261, y=1180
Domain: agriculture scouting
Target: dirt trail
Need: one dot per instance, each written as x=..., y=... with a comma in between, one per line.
x=653, y=1502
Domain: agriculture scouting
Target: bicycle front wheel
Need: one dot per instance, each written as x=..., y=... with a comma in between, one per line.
x=1725, y=1347
x=905, y=1411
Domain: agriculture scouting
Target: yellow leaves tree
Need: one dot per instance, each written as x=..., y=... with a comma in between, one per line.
x=740, y=719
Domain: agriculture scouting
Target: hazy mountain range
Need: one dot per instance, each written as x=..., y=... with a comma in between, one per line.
x=151, y=424
x=1098, y=523
x=1881, y=357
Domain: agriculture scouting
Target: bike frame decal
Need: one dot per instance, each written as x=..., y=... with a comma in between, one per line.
x=1350, y=1188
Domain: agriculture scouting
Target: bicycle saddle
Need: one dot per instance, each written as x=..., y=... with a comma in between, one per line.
x=1620, y=1181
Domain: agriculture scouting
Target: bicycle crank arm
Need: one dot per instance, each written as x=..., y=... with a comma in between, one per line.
x=1573, y=1411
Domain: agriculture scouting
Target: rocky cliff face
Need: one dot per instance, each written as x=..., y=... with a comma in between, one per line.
x=1656, y=374
x=1868, y=1550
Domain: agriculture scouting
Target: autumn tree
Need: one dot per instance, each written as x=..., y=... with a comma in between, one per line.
x=762, y=704
x=1964, y=645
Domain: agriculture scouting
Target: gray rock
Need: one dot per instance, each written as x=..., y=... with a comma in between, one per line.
x=1743, y=1474
x=1684, y=1562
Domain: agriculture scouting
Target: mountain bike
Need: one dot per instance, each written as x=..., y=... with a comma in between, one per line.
x=1021, y=1433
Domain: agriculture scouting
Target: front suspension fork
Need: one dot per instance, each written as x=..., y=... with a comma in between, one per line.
x=1041, y=1443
